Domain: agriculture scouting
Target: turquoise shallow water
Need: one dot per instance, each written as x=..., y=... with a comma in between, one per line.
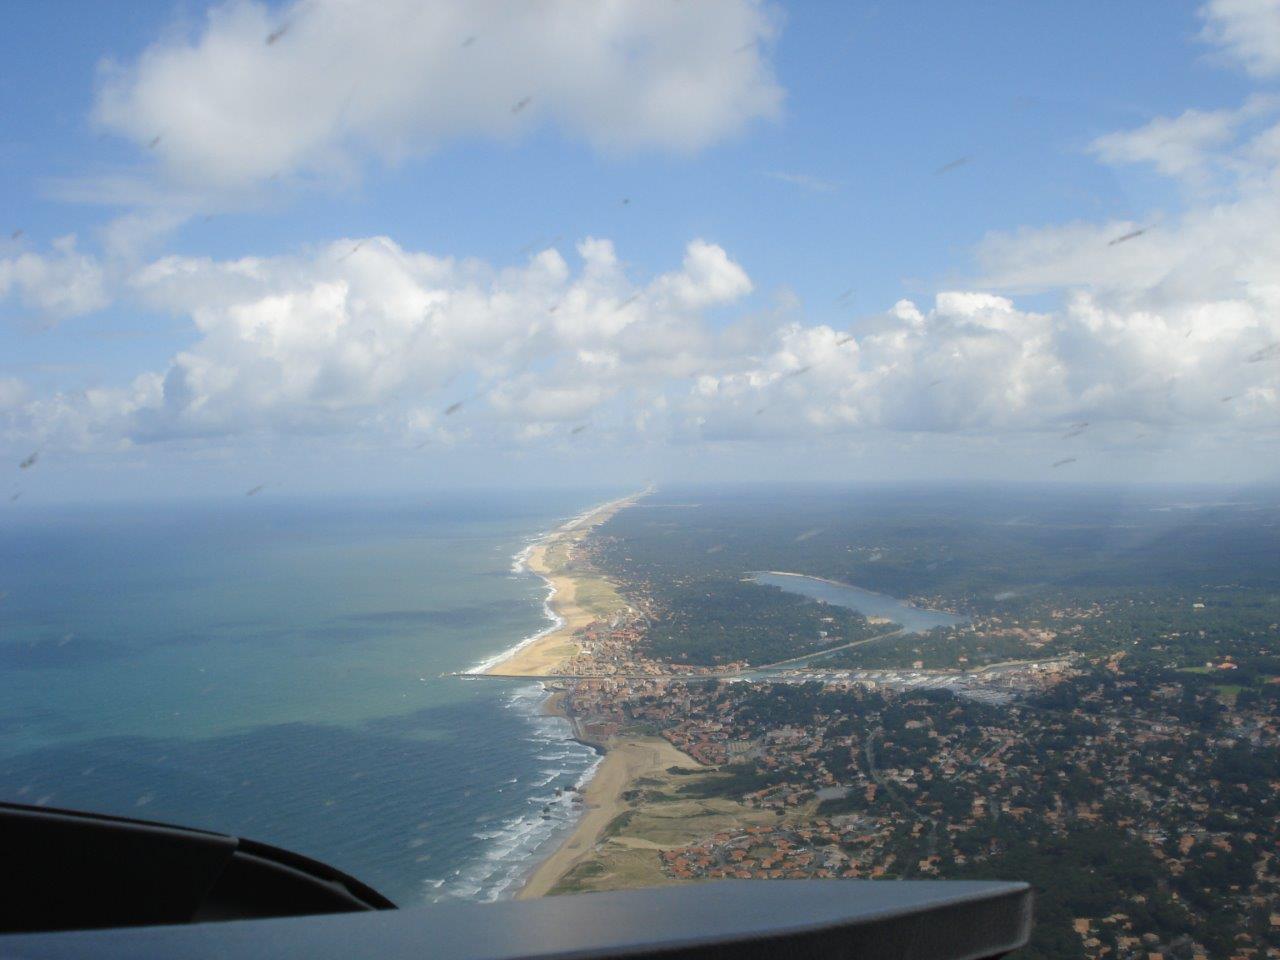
x=911, y=619
x=274, y=670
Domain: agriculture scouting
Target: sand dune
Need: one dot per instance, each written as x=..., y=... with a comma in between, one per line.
x=626, y=761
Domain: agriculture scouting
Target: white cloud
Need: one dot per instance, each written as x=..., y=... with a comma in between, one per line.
x=364, y=337
x=1214, y=251
x=65, y=283
x=527, y=399
x=1188, y=147
x=364, y=332
x=226, y=108
x=708, y=277
x=1177, y=147
x=1160, y=328
x=1248, y=31
x=972, y=362
x=976, y=364
x=12, y=392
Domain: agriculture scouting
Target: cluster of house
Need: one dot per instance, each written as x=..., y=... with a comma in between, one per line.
x=931, y=778
x=824, y=848
x=611, y=650
x=1000, y=765
x=608, y=650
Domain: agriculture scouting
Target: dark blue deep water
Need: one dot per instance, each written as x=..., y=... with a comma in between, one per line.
x=274, y=670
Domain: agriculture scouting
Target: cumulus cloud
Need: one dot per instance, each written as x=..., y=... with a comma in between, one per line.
x=973, y=361
x=64, y=283
x=1162, y=328
x=708, y=277
x=312, y=88
x=976, y=364
x=364, y=331
x=364, y=336
x=1171, y=329
x=1174, y=329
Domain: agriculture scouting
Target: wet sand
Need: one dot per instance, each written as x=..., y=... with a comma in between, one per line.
x=541, y=657
x=627, y=760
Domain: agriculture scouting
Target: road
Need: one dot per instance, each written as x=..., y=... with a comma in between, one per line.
x=719, y=675
x=889, y=788
x=823, y=653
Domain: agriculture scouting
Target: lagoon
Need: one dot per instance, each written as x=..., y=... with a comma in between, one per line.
x=912, y=619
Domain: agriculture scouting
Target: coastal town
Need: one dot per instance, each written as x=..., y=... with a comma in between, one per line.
x=812, y=769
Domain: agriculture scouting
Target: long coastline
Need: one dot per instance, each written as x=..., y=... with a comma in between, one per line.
x=538, y=656
x=625, y=762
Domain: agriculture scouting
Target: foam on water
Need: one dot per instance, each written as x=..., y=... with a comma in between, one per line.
x=520, y=565
x=292, y=681
x=515, y=845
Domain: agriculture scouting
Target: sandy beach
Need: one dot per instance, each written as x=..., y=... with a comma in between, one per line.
x=577, y=598
x=626, y=761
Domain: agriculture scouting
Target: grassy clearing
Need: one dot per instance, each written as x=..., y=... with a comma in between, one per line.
x=592, y=592
x=561, y=651
x=557, y=555
x=598, y=597
x=623, y=869
x=1227, y=692
x=628, y=855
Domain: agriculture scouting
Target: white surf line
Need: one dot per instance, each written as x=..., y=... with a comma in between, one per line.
x=520, y=562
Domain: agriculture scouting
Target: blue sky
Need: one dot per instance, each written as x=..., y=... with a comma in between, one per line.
x=830, y=201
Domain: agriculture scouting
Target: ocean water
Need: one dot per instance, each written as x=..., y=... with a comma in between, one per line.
x=274, y=670
x=912, y=619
